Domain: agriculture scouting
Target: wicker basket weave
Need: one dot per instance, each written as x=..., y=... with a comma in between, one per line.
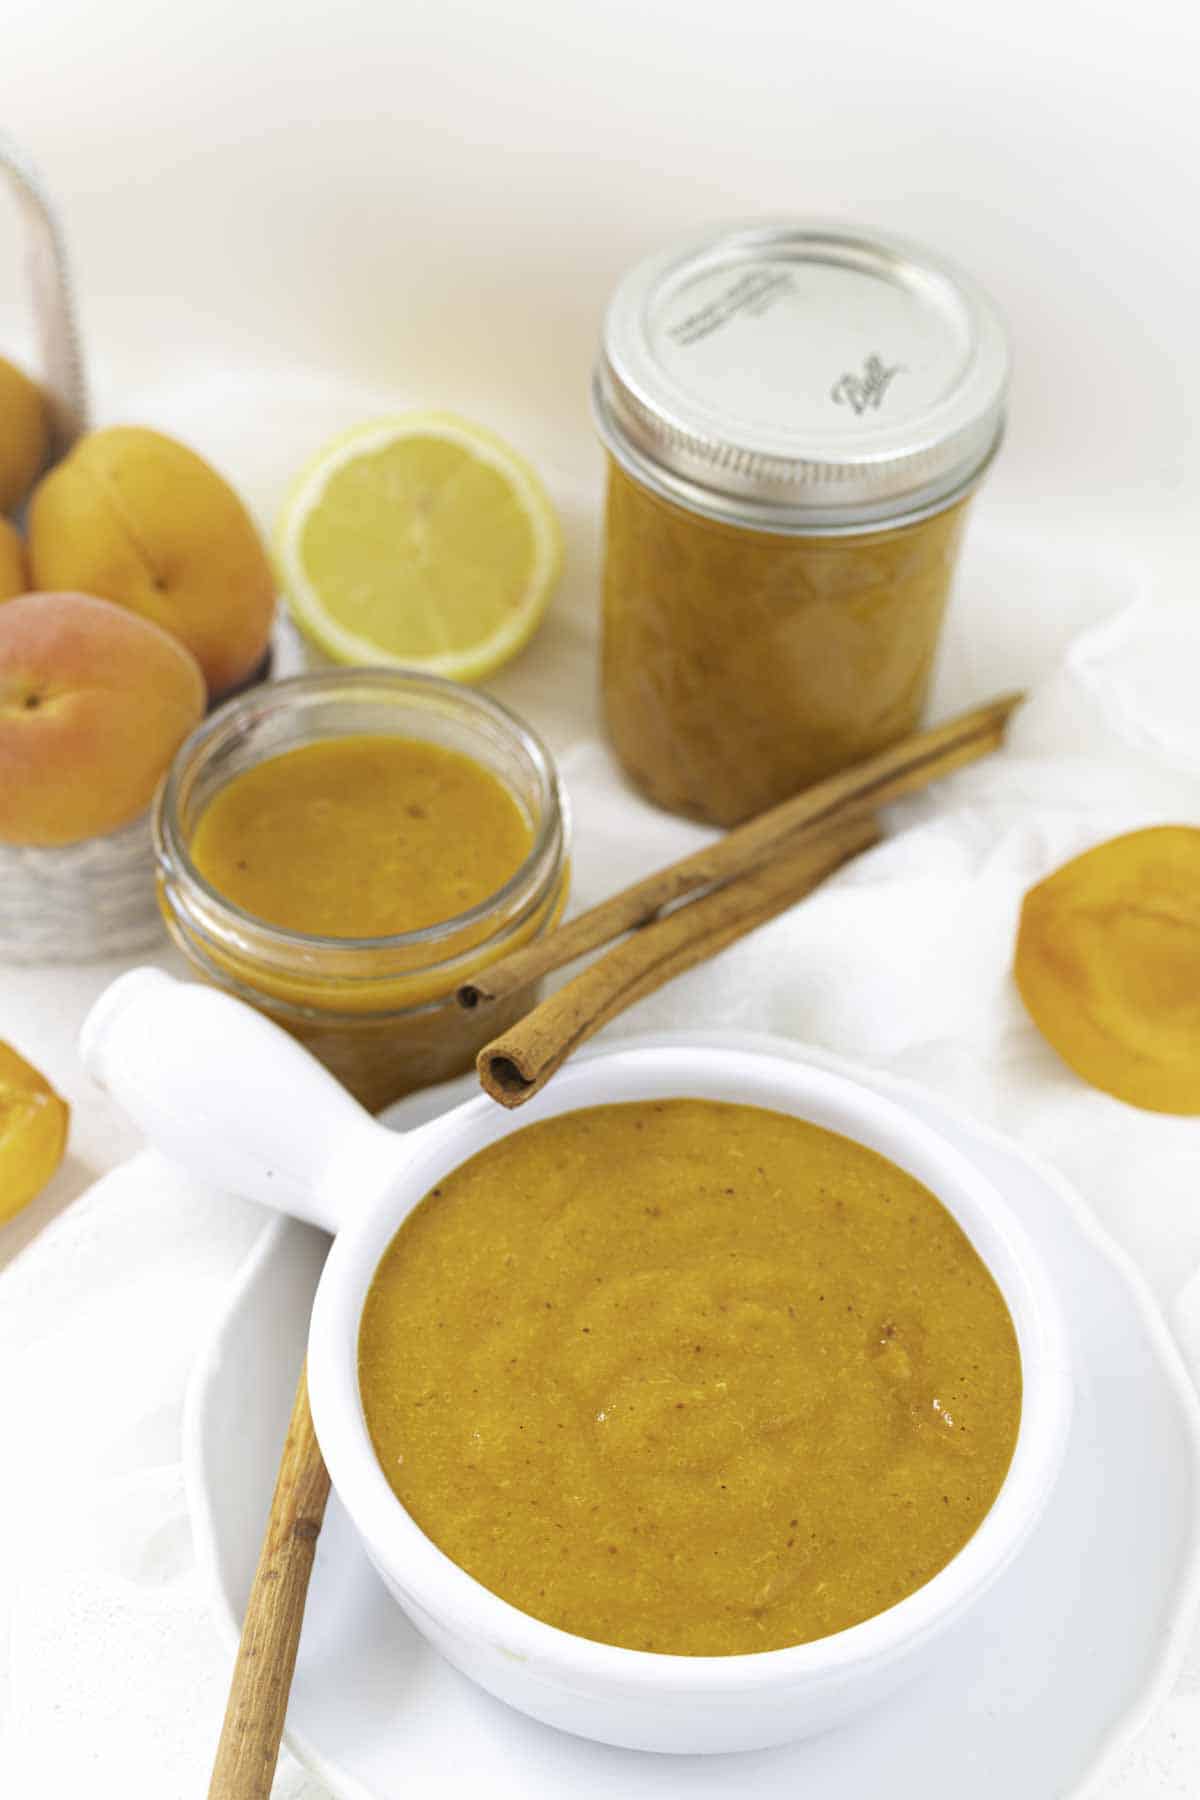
x=82, y=902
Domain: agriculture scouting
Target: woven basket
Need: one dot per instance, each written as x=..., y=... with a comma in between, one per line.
x=94, y=899
x=82, y=902
x=97, y=898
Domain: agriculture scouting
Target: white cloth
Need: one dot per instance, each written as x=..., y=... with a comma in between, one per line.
x=114, y=1679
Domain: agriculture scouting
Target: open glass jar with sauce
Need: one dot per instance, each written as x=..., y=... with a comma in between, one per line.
x=795, y=417
x=342, y=850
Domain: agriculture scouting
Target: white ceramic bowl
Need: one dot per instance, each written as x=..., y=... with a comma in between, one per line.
x=233, y=1098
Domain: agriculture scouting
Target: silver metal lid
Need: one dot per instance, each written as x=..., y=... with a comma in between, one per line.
x=801, y=376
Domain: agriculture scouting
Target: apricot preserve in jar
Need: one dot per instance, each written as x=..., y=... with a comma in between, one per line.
x=795, y=416
x=342, y=849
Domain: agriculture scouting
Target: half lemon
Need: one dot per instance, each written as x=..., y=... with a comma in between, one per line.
x=422, y=542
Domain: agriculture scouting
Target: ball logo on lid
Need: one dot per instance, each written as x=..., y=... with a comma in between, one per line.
x=865, y=390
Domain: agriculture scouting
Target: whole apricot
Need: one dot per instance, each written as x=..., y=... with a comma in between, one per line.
x=94, y=703
x=141, y=520
x=1108, y=965
x=24, y=434
x=33, y=1132
x=14, y=576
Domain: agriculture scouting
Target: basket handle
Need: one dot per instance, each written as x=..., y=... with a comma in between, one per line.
x=54, y=312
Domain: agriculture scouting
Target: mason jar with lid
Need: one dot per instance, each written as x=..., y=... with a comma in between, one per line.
x=795, y=416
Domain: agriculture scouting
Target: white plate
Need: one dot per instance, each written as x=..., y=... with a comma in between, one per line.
x=1063, y=1663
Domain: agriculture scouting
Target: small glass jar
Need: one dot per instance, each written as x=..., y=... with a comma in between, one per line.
x=795, y=415
x=379, y=1012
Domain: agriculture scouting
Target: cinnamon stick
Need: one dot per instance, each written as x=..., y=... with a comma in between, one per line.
x=244, y=1768
x=519, y=1063
x=880, y=780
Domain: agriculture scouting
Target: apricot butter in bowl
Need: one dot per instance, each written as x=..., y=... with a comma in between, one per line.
x=687, y=1409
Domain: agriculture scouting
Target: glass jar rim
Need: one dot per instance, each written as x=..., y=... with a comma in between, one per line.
x=174, y=857
x=766, y=518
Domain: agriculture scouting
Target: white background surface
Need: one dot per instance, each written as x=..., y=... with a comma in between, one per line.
x=437, y=196
x=430, y=202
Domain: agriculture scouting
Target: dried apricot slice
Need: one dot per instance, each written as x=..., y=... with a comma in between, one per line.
x=1108, y=964
x=33, y=1132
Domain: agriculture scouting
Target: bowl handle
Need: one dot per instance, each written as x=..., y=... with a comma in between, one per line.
x=235, y=1100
